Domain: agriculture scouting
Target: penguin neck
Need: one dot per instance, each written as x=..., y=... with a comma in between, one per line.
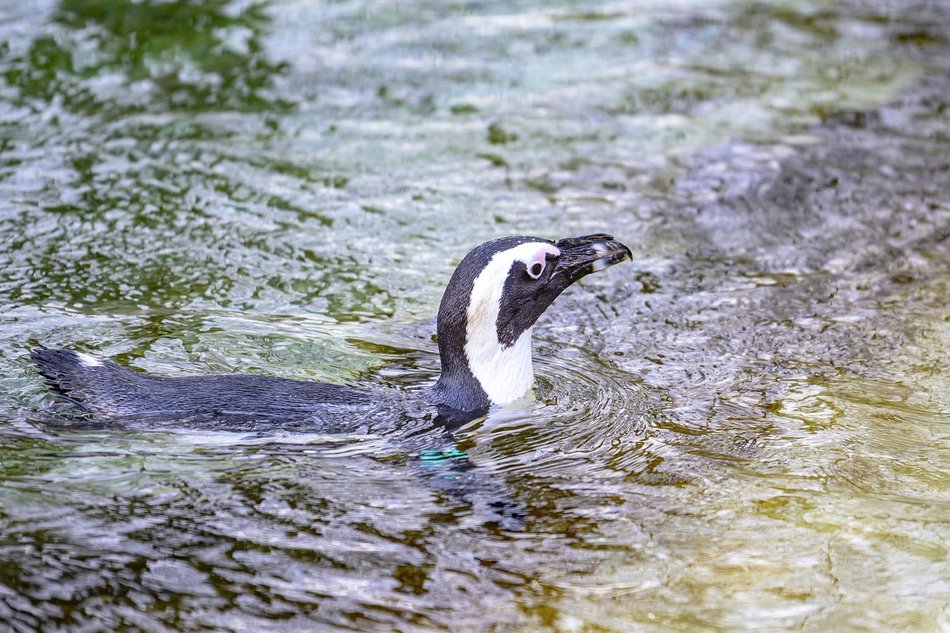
x=504, y=373
x=457, y=387
x=487, y=375
x=477, y=369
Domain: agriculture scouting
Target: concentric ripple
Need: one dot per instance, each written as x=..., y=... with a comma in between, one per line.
x=587, y=416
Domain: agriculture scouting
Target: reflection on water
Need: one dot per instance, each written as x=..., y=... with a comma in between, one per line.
x=746, y=429
x=112, y=56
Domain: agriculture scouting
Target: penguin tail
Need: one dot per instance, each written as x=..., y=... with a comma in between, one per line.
x=76, y=377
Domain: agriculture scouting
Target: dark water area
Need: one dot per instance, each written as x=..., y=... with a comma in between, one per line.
x=747, y=428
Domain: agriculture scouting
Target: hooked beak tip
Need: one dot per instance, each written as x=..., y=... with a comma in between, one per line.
x=610, y=258
x=610, y=250
x=591, y=254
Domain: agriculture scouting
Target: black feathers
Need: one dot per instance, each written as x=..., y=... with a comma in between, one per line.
x=112, y=392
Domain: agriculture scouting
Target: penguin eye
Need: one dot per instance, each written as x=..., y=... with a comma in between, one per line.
x=535, y=270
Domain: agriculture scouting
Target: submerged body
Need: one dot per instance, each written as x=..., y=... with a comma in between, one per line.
x=110, y=392
x=485, y=324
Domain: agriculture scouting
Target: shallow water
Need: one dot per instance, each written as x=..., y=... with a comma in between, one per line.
x=745, y=429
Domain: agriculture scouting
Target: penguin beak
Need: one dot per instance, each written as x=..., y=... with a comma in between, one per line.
x=524, y=299
x=588, y=254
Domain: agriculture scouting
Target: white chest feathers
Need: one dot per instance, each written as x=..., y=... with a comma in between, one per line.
x=505, y=373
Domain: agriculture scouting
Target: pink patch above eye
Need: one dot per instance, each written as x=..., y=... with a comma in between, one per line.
x=540, y=257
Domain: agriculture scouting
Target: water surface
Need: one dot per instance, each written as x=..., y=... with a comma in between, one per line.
x=745, y=429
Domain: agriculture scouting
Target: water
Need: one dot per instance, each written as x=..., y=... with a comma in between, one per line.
x=745, y=429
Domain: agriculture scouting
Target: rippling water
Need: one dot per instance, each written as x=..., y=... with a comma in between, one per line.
x=747, y=428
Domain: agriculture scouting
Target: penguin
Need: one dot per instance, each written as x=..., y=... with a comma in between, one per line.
x=484, y=325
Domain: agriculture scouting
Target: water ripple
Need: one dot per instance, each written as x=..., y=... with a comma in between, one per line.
x=743, y=428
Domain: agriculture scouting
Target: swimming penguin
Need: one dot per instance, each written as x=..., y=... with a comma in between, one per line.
x=484, y=328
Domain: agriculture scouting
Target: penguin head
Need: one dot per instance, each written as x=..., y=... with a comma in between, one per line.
x=491, y=304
